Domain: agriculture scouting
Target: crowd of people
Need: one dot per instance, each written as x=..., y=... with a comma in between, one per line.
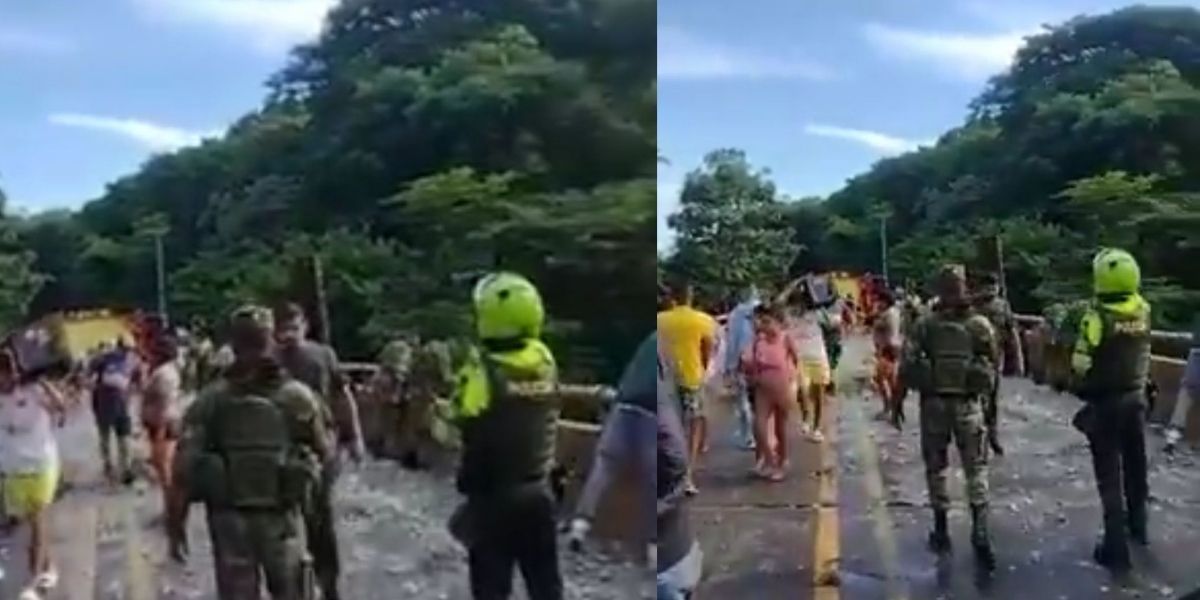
x=767, y=356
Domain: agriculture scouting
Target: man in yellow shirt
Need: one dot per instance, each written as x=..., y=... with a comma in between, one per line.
x=689, y=337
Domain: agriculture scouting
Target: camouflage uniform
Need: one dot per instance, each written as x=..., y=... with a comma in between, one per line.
x=395, y=366
x=251, y=450
x=950, y=359
x=1000, y=315
x=429, y=380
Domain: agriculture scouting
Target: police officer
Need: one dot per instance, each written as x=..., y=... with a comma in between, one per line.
x=251, y=450
x=950, y=360
x=1111, y=362
x=506, y=407
x=990, y=304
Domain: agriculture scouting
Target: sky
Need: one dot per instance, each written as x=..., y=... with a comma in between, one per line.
x=816, y=91
x=90, y=89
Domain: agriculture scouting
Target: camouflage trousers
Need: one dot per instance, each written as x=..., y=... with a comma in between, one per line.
x=960, y=419
x=253, y=547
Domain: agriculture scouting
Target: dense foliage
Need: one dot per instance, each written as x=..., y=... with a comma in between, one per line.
x=414, y=145
x=1092, y=138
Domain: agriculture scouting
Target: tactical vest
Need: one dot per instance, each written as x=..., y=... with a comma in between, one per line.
x=1121, y=362
x=954, y=367
x=251, y=461
x=513, y=441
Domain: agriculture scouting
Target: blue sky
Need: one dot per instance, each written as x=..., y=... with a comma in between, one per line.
x=89, y=89
x=818, y=90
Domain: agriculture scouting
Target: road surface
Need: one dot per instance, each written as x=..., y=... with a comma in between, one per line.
x=108, y=541
x=851, y=522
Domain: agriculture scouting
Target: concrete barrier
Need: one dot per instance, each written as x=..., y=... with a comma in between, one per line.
x=1045, y=364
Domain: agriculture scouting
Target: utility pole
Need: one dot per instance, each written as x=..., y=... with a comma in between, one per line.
x=160, y=270
x=883, y=246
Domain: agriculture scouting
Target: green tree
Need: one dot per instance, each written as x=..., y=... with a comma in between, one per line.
x=731, y=229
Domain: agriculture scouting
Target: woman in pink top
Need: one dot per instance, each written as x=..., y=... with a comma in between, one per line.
x=770, y=368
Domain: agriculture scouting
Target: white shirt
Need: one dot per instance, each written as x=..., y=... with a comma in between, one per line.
x=166, y=383
x=27, y=443
x=805, y=329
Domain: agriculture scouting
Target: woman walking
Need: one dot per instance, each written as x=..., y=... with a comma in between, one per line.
x=30, y=464
x=770, y=368
x=160, y=410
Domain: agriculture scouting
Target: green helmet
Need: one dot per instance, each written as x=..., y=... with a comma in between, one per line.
x=1115, y=272
x=507, y=306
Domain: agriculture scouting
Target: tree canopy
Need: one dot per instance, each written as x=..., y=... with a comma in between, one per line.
x=415, y=143
x=1090, y=139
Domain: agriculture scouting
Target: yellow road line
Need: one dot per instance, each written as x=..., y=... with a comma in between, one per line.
x=868, y=454
x=826, y=532
x=74, y=531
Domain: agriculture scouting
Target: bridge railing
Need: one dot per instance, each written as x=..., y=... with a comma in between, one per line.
x=1045, y=363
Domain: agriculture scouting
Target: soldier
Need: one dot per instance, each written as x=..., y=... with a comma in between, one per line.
x=429, y=380
x=950, y=360
x=316, y=365
x=395, y=367
x=990, y=304
x=1111, y=361
x=506, y=405
x=251, y=451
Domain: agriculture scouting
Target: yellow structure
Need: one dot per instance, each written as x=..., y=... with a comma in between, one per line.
x=81, y=332
x=847, y=286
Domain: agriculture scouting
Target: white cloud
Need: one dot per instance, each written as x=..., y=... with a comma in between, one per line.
x=880, y=142
x=271, y=25
x=966, y=55
x=151, y=135
x=683, y=56
x=33, y=42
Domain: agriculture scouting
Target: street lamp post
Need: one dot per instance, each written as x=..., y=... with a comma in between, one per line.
x=883, y=247
x=161, y=276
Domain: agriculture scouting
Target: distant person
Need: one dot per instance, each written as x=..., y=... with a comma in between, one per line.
x=115, y=377
x=886, y=334
x=807, y=325
x=689, y=336
x=161, y=410
x=30, y=462
x=1189, y=390
x=770, y=367
x=739, y=334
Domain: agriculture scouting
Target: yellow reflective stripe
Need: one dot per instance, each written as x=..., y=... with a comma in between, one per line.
x=472, y=395
x=1090, y=331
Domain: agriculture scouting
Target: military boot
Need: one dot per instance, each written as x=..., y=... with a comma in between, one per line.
x=1136, y=516
x=939, y=538
x=981, y=539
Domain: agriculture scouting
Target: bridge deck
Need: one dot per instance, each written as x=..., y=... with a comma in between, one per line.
x=763, y=540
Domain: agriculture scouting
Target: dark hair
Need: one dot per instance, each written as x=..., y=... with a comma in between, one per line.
x=288, y=311
x=770, y=310
x=989, y=279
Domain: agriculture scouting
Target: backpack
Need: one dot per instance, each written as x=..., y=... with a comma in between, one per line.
x=251, y=461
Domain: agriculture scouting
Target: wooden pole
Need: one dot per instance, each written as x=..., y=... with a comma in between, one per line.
x=320, y=308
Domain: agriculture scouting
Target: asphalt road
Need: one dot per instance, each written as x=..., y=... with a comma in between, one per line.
x=109, y=545
x=766, y=541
